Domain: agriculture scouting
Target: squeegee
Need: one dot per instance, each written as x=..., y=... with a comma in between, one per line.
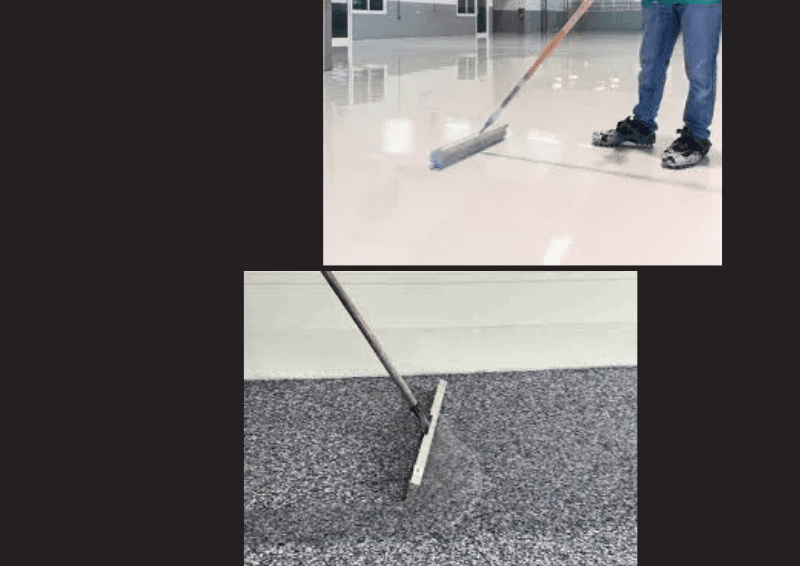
x=427, y=422
x=455, y=152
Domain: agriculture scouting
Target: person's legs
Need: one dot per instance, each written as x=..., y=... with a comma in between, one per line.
x=702, y=26
x=660, y=27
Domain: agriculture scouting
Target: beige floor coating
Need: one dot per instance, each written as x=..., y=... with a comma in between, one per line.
x=544, y=195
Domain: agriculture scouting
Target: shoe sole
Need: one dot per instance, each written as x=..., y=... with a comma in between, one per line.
x=669, y=166
x=616, y=140
x=678, y=156
x=623, y=144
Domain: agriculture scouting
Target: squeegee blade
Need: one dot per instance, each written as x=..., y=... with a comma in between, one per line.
x=424, y=449
x=456, y=151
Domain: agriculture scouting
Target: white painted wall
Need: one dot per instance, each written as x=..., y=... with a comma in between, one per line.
x=534, y=5
x=437, y=2
x=552, y=5
x=451, y=2
x=508, y=4
x=294, y=325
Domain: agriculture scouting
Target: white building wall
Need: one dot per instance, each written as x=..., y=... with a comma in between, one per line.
x=438, y=322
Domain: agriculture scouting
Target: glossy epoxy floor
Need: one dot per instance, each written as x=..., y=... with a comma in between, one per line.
x=542, y=196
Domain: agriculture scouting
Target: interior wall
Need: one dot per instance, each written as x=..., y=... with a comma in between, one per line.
x=414, y=19
x=438, y=322
x=507, y=18
x=327, y=61
x=608, y=15
x=439, y=18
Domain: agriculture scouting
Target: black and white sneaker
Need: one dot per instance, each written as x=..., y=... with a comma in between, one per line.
x=686, y=151
x=629, y=132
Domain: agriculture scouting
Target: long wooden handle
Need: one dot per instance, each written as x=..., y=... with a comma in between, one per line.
x=545, y=54
x=559, y=36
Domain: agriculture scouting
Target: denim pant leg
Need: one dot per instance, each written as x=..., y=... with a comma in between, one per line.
x=702, y=26
x=661, y=26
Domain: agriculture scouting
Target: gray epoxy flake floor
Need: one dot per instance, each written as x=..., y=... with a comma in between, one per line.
x=526, y=468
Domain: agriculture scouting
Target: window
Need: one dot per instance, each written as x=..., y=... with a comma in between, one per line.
x=369, y=6
x=339, y=20
x=466, y=7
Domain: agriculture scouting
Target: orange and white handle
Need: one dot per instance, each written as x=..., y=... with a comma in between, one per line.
x=545, y=54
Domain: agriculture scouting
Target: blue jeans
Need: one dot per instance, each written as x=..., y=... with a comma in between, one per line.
x=701, y=25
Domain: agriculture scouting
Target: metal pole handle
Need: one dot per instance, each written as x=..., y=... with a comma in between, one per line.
x=373, y=342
